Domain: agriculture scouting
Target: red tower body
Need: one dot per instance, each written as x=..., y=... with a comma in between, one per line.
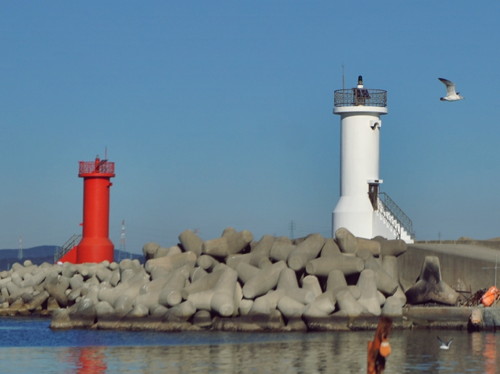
x=95, y=245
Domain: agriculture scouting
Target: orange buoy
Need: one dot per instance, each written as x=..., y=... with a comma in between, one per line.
x=385, y=348
x=379, y=348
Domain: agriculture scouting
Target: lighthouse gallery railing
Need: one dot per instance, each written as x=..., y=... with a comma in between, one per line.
x=97, y=166
x=360, y=96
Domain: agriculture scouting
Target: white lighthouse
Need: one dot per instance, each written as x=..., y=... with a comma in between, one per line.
x=360, y=208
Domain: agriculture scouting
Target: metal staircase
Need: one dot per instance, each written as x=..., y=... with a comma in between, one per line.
x=398, y=223
x=70, y=243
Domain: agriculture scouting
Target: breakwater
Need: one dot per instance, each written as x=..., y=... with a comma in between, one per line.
x=232, y=283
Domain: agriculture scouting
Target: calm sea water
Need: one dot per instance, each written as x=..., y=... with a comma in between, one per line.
x=30, y=346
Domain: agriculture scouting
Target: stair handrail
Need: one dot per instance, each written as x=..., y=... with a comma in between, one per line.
x=397, y=212
x=66, y=247
x=389, y=218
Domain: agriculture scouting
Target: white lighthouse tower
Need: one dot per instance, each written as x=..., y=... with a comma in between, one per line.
x=360, y=208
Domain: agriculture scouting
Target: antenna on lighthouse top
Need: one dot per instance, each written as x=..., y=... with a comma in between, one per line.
x=106, y=152
x=343, y=80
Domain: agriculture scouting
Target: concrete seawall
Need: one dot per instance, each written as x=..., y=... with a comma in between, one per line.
x=237, y=283
x=467, y=265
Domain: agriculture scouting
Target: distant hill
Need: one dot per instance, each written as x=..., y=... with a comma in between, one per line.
x=45, y=253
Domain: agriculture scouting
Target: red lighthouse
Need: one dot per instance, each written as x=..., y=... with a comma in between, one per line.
x=95, y=245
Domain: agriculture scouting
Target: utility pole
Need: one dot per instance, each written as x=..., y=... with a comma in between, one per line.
x=292, y=229
x=123, y=239
x=20, y=253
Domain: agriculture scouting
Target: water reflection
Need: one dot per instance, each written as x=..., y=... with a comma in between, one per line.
x=484, y=348
x=312, y=353
x=413, y=352
x=91, y=360
x=336, y=352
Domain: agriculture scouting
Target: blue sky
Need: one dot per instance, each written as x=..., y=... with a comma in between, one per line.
x=219, y=113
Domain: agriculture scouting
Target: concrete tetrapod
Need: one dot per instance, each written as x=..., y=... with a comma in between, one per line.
x=129, y=289
x=218, y=247
x=223, y=299
x=393, y=307
x=149, y=292
x=348, y=305
x=369, y=298
x=207, y=262
x=149, y=250
x=346, y=241
x=322, y=306
x=330, y=248
x=336, y=281
x=201, y=299
x=305, y=251
x=430, y=286
x=323, y=303
x=391, y=247
x=171, y=262
x=205, y=282
x=218, y=293
x=287, y=281
x=84, y=312
x=246, y=271
x=368, y=245
x=191, y=242
x=265, y=280
x=322, y=266
x=390, y=266
x=290, y=308
x=56, y=285
x=311, y=283
x=162, y=251
x=104, y=311
x=237, y=241
x=281, y=249
x=385, y=283
x=234, y=260
x=245, y=306
x=267, y=303
x=13, y=292
x=197, y=274
x=35, y=278
x=261, y=250
x=122, y=306
x=37, y=301
x=181, y=312
x=171, y=294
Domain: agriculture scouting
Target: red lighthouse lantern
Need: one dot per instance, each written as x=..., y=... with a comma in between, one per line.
x=95, y=245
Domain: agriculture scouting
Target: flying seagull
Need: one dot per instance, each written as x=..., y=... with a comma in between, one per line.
x=451, y=93
x=443, y=344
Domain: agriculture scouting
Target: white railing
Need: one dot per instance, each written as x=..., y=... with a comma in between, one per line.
x=395, y=218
